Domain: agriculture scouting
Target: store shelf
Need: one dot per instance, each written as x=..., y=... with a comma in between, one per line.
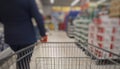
x=81, y=31
x=70, y=30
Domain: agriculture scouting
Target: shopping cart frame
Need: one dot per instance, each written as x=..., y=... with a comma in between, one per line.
x=6, y=61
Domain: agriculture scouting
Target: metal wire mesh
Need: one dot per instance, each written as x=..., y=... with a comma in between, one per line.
x=71, y=63
x=60, y=49
x=60, y=55
x=69, y=56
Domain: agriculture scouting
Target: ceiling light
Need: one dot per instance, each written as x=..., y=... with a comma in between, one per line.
x=52, y=1
x=75, y=2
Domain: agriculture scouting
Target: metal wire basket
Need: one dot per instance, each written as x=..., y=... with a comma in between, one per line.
x=60, y=55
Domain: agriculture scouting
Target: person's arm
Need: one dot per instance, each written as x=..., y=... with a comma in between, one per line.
x=1, y=21
x=38, y=17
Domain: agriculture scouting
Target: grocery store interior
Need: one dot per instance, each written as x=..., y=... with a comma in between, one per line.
x=81, y=34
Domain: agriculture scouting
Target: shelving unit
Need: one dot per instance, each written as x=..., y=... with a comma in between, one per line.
x=70, y=30
x=81, y=31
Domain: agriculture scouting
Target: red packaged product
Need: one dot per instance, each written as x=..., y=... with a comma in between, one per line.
x=101, y=29
x=114, y=30
x=113, y=38
x=100, y=38
x=97, y=21
x=100, y=53
x=111, y=46
x=100, y=45
x=110, y=55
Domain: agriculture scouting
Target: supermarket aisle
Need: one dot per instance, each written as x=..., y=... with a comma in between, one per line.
x=58, y=36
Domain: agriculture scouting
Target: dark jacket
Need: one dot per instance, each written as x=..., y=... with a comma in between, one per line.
x=16, y=16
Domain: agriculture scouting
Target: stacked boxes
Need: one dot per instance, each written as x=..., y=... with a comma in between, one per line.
x=104, y=33
x=92, y=37
x=115, y=8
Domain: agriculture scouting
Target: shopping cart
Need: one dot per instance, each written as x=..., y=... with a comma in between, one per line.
x=60, y=55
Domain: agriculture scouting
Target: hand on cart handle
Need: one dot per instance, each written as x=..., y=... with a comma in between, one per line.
x=44, y=39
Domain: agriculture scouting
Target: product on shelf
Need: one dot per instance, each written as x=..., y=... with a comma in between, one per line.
x=105, y=33
x=81, y=30
x=70, y=29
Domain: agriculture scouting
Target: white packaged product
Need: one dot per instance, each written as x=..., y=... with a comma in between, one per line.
x=116, y=30
x=115, y=38
x=105, y=30
x=115, y=22
x=104, y=38
x=92, y=27
x=104, y=45
x=116, y=45
x=92, y=32
x=100, y=54
x=116, y=51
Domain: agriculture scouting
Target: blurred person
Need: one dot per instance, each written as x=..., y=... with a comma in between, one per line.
x=55, y=20
x=16, y=15
x=56, y=23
